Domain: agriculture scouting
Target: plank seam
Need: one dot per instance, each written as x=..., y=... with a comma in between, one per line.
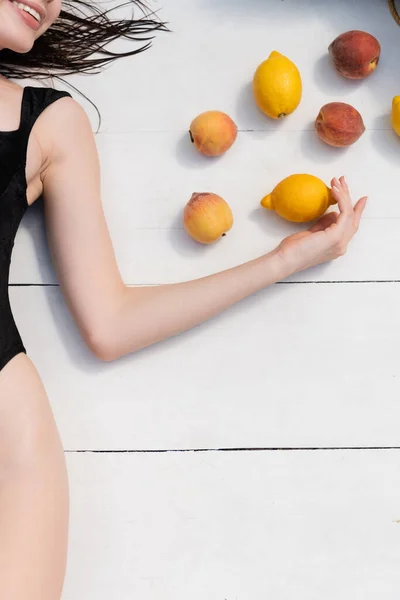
x=265, y=449
x=327, y=282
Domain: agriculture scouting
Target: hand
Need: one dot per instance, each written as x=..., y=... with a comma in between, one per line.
x=328, y=238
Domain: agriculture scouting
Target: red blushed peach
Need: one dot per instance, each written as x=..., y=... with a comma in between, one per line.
x=355, y=54
x=339, y=124
x=207, y=217
x=213, y=132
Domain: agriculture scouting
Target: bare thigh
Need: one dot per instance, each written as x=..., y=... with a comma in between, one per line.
x=33, y=488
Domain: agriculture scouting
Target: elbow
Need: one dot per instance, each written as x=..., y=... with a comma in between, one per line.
x=111, y=334
x=107, y=345
x=104, y=353
x=103, y=345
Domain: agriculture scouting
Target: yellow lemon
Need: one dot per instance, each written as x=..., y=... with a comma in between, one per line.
x=277, y=86
x=396, y=114
x=299, y=198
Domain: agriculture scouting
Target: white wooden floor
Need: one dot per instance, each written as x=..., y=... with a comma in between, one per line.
x=310, y=366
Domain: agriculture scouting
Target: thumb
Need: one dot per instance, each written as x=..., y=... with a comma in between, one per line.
x=325, y=222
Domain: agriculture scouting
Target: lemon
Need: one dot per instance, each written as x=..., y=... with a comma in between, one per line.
x=299, y=198
x=277, y=86
x=396, y=114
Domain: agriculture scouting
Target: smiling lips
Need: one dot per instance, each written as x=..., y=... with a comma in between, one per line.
x=32, y=16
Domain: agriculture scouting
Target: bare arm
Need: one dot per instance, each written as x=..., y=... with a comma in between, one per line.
x=116, y=319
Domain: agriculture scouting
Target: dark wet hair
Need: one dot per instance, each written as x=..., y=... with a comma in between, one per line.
x=82, y=30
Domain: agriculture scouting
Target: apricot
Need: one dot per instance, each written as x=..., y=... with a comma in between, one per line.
x=207, y=217
x=355, y=54
x=339, y=124
x=213, y=132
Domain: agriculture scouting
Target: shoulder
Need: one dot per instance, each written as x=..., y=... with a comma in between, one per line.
x=63, y=113
x=64, y=125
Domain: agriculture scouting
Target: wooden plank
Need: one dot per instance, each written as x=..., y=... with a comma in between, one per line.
x=234, y=525
x=209, y=59
x=148, y=178
x=297, y=366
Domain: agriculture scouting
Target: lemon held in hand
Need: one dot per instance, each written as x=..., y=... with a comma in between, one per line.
x=396, y=114
x=277, y=86
x=299, y=198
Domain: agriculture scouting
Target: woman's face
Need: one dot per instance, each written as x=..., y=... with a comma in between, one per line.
x=19, y=28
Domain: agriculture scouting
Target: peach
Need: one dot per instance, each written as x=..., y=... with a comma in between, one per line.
x=355, y=54
x=339, y=124
x=207, y=217
x=213, y=132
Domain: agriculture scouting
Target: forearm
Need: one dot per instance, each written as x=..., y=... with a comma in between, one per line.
x=150, y=314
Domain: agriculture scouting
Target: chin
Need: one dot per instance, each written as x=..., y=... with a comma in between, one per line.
x=20, y=47
x=21, y=44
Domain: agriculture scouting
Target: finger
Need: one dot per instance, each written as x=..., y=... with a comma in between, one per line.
x=336, y=191
x=343, y=183
x=335, y=182
x=341, y=199
x=325, y=222
x=359, y=209
x=342, y=196
x=340, y=183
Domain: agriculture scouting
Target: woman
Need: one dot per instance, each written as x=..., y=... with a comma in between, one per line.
x=47, y=148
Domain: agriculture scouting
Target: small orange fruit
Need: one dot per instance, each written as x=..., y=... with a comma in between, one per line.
x=207, y=217
x=213, y=132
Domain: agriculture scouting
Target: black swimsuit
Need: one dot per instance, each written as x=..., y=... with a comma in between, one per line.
x=13, y=204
